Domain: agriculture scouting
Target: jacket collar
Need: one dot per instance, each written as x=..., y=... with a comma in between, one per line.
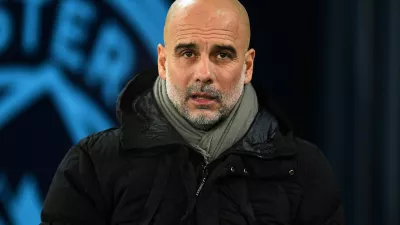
x=144, y=127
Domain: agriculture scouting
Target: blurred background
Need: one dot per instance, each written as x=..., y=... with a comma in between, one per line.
x=332, y=65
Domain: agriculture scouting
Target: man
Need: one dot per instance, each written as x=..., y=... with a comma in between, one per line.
x=197, y=143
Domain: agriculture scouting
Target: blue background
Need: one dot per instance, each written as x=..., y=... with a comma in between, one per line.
x=333, y=66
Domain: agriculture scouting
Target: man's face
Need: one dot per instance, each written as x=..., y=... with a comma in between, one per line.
x=201, y=103
x=205, y=64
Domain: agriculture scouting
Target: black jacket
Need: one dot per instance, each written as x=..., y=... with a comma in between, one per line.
x=144, y=173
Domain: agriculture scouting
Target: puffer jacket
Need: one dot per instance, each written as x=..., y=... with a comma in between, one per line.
x=143, y=172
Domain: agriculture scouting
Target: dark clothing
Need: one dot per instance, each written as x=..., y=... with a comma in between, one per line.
x=145, y=173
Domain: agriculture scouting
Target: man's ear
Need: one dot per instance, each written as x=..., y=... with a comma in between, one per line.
x=249, y=61
x=161, y=61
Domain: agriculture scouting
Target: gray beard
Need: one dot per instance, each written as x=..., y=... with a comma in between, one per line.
x=201, y=122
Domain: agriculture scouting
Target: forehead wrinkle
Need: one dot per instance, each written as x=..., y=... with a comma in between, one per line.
x=209, y=35
x=191, y=27
x=179, y=34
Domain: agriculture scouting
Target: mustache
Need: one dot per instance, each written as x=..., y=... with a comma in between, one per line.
x=205, y=88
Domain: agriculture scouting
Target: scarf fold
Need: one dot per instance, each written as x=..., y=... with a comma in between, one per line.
x=221, y=137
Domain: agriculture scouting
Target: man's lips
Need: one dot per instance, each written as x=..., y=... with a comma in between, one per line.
x=203, y=98
x=202, y=95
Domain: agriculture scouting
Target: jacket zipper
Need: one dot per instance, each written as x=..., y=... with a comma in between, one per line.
x=204, y=174
x=203, y=179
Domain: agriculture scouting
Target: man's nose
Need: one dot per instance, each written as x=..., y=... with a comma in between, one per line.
x=204, y=73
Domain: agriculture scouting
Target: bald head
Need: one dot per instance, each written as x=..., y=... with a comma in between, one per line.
x=231, y=11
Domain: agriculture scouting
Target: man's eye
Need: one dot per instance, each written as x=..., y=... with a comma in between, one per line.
x=188, y=54
x=223, y=55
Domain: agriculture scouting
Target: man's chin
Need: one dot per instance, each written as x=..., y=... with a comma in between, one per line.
x=204, y=121
x=205, y=116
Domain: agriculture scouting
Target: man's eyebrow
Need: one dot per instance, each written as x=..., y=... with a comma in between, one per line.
x=228, y=48
x=181, y=46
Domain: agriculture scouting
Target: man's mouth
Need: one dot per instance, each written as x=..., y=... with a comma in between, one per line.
x=203, y=98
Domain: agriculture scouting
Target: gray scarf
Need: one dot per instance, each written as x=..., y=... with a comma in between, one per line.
x=215, y=141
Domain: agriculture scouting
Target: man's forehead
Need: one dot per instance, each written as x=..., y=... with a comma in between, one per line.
x=219, y=21
x=198, y=32
x=217, y=30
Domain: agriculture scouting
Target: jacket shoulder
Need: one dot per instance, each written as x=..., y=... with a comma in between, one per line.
x=305, y=146
x=312, y=160
x=101, y=142
x=309, y=153
x=76, y=194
